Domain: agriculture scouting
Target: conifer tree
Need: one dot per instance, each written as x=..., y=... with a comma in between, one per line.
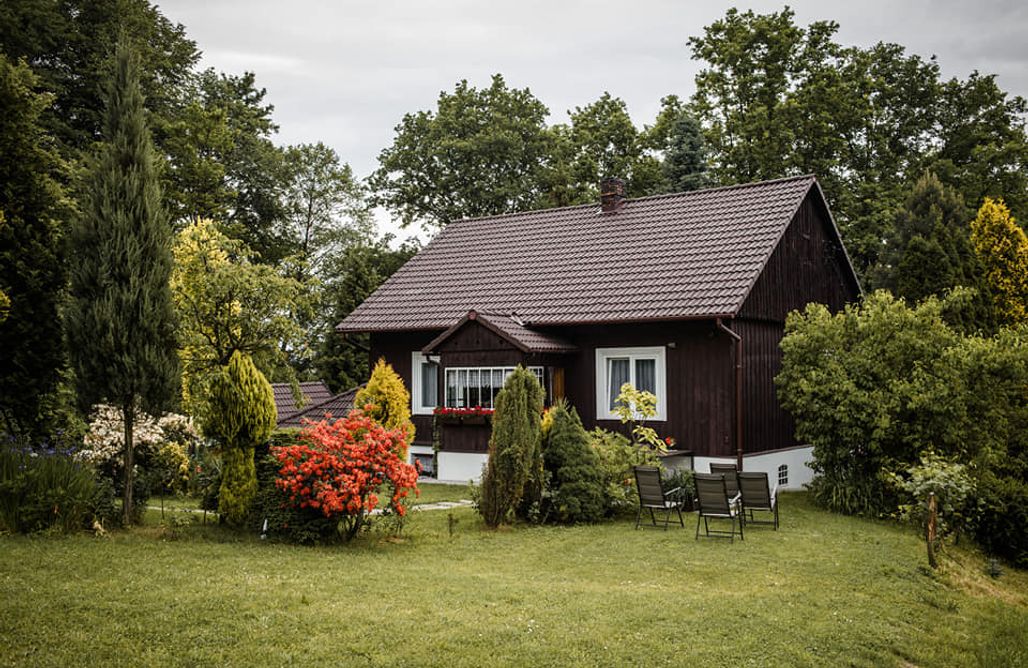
x=32, y=270
x=121, y=328
x=931, y=253
x=241, y=415
x=1002, y=248
x=575, y=476
x=513, y=447
x=389, y=401
x=685, y=159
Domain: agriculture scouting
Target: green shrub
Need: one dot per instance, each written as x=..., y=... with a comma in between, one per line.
x=205, y=478
x=1001, y=527
x=682, y=480
x=306, y=526
x=43, y=490
x=617, y=456
x=515, y=449
x=574, y=477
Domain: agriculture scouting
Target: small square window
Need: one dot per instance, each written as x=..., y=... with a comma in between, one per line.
x=783, y=475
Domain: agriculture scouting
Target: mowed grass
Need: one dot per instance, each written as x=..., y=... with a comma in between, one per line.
x=824, y=590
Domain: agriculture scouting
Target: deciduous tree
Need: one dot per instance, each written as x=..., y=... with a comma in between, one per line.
x=480, y=153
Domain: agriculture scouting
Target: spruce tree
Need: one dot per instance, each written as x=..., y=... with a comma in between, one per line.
x=241, y=415
x=514, y=446
x=121, y=328
x=32, y=268
x=685, y=160
x=930, y=252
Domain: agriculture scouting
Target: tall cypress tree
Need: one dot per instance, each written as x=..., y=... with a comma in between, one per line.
x=121, y=329
x=32, y=274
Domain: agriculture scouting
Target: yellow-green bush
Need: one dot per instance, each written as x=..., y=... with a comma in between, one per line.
x=389, y=401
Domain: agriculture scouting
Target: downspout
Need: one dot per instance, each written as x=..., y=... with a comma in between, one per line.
x=738, y=390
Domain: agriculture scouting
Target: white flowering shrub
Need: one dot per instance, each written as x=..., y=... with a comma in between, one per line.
x=104, y=443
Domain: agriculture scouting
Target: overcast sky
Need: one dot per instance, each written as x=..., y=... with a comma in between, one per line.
x=345, y=72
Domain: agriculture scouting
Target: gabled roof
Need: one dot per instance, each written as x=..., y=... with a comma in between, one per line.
x=667, y=257
x=337, y=406
x=510, y=328
x=314, y=391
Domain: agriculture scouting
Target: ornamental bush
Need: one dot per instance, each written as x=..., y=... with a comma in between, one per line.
x=386, y=400
x=338, y=469
x=574, y=476
x=617, y=456
x=241, y=415
x=515, y=449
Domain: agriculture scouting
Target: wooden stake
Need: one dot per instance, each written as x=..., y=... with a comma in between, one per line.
x=931, y=530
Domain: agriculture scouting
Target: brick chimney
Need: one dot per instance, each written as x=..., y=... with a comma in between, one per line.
x=612, y=194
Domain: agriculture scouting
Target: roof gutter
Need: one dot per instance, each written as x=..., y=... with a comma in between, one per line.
x=737, y=340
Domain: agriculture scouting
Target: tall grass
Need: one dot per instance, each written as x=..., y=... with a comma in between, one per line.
x=43, y=490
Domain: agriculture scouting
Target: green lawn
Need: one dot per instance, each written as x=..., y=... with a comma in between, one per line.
x=825, y=590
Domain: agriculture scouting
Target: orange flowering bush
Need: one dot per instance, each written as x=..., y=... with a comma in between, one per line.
x=338, y=468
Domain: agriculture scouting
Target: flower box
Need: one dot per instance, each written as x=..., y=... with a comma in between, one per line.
x=475, y=415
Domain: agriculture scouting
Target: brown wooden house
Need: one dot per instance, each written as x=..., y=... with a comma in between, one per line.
x=684, y=295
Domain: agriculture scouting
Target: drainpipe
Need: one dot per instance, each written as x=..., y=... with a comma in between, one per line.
x=738, y=390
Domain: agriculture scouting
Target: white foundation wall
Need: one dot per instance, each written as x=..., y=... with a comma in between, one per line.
x=461, y=466
x=797, y=459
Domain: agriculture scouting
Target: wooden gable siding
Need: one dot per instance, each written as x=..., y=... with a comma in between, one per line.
x=396, y=349
x=808, y=265
x=700, y=380
x=475, y=345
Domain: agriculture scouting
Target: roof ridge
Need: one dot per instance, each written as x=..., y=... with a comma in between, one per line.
x=629, y=200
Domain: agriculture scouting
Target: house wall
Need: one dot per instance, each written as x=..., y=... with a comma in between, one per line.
x=808, y=265
x=396, y=348
x=700, y=380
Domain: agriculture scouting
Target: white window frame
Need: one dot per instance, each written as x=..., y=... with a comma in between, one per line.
x=657, y=353
x=416, y=360
x=505, y=370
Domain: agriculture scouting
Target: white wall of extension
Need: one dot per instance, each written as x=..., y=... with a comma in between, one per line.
x=461, y=466
x=796, y=459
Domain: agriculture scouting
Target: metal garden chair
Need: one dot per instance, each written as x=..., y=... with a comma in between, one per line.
x=652, y=496
x=757, y=495
x=714, y=502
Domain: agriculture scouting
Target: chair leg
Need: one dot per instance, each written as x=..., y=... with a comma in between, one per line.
x=638, y=517
x=741, y=523
x=698, y=526
x=653, y=518
x=776, y=514
x=680, y=520
x=667, y=518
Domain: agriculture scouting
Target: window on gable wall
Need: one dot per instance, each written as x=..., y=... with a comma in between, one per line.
x=643, y=368
x=424, y=396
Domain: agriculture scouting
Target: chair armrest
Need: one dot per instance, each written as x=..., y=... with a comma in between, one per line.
x=736, y=500
x=672, y=491
x=774, y=493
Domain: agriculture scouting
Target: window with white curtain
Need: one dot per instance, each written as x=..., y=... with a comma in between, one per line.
x=424, y=396
x=643, y=368
x=468, y=387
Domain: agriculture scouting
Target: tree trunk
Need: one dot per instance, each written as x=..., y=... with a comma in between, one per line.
x=931, y=530
x=128, y=416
